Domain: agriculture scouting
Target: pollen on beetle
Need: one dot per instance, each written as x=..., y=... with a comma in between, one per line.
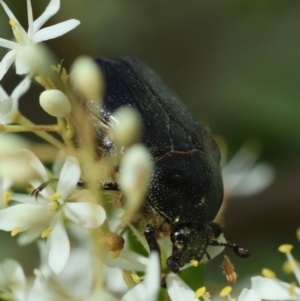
x=225, y=291
x=286, y=248
x=15, y=231
x=136, y=278
x=46, y=232
x=200, y=292
x=54, y=197
x=194, y=262
x=268, y=273
x=6, y=197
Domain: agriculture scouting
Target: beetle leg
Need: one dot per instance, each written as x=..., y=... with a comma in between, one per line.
x=207, y=256
x=149, y=233
x=37, y=190
x=241, y=252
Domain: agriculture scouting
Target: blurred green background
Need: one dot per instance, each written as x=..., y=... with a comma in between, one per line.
x=236, y=65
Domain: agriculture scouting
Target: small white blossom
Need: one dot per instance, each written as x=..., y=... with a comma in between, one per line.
x=150, y=286
x=12, y=280
x=9, y=105
x=26, y=41
x=45, y=217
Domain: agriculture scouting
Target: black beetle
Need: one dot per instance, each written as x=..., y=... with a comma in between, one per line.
x=186, y=188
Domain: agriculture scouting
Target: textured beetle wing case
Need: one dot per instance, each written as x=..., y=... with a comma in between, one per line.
x=187, y=174
x=167, y=124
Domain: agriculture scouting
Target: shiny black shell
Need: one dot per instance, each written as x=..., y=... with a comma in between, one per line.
x=186, y=185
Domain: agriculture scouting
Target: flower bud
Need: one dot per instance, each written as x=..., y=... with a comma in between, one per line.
x=55, y=103
x=87, y=78
x=126, y=126
x=135, y=171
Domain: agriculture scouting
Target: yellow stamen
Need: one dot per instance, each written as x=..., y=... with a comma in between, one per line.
x=12, y=22
x=225, y=291
x=200, y=292
x=15, y=231
x=194, y=262
x=268, y=273
x=285, y=248
x=46, y=232
x=292, y=288
x=234, y=299
x=207, y=294
x=6, y=197
x=136, y=278
x=298, y=233
x=288, y=267
x=54, y=197
x=52, y=206
x=115, y=254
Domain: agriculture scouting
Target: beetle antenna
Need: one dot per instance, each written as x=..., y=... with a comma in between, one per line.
x=241, y=252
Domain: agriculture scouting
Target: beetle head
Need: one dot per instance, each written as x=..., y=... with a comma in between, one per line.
x=189, y=243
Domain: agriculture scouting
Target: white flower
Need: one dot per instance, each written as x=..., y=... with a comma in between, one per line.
x=45, y=217
x=248, y=295
x=274, y=289
x=178, y=290
x=35, y=35
x=12, y=280
x=150, y=286
x=243, y=176
x=9, y=105
x=271, y=288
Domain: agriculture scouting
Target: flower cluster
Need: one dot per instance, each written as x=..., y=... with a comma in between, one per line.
x=79, y=234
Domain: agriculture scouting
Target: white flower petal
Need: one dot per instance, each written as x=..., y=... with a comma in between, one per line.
x=59, y=247
x=21, y=88
x=8, y=11
x=50, y=11
x=5, y=107
x=9, y=44
x=69, y=177
x=25, y=216
x=7, y=61
x=29, y=236
x=248, y=295
x=77, y=276
x=273, y=289
x=151, y=284
x=128, y=260
x=55, y=31
x=30, y=19
x=6, y=184
x=17, y=280
x=178, y=290
x=22, y=65
x=85, y=214
x=152, y=278
x=40, y=291
x=3, y=94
